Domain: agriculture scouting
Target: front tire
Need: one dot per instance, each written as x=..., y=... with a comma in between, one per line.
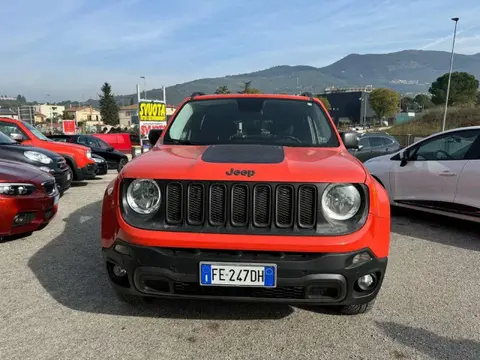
x=357, y=309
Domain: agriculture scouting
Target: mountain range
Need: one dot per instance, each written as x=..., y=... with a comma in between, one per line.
x=408, y=72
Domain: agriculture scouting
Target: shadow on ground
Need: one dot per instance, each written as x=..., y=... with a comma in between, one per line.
x=436, y=228
x=431, y=344
x=79, y=183
x=71, y=269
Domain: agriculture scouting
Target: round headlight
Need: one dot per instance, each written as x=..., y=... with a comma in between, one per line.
x=143, y=196
x=341, y=201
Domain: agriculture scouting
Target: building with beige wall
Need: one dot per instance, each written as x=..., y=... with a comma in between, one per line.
x=50, y=111
x=86, y=114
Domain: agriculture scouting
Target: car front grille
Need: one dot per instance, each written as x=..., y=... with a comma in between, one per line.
x=242, y=208
x=256, y=205
x=49, y=187
x=62, y=164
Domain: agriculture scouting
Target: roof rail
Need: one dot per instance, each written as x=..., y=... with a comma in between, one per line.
x=196, y=93
x=308, y=94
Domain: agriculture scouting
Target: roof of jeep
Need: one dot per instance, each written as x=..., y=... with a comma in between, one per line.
x=237, y=96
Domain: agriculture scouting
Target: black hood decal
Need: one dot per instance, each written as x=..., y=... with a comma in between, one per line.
x=244, y=154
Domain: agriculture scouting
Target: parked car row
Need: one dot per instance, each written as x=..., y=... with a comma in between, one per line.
x=35, y=171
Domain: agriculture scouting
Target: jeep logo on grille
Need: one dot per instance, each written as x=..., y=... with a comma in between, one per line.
x=237, y=172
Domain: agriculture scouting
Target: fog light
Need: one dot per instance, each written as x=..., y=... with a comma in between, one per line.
x=119, y=271
x=121, y=249
x=366, y=282
x=361, y=258
x=19, y=219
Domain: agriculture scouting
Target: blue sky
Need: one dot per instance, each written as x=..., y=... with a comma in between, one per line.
x=67, y=48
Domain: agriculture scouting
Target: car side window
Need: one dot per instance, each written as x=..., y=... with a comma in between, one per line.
x=9, y=129
x=82, y=140
x=376, y=141
x=91, y=141
x=387, y=141
x=364, y=142
x=451, y=146
x=102, y=144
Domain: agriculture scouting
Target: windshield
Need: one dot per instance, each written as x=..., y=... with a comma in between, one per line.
x=4, y=139
x=252, y=121
x=37, y=133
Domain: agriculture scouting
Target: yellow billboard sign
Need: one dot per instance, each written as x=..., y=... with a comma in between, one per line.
x=152, y=111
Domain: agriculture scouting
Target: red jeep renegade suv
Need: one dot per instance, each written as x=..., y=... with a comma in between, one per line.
x=248, y=198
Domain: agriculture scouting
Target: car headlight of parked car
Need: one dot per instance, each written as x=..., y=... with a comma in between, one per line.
x=341, y=202
x=38, y=157
x=144, y=196
x=15, y=189
x=100, y=161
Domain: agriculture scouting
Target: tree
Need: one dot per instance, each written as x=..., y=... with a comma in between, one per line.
x=108, y=106
x=478, y=98
x=407, y=103
x=248, y=89
x=423, y=101
x=384, y=102
x=222, y=90
x=325, y=102
x=21, y=99
x=463, y=89
x=68, y=115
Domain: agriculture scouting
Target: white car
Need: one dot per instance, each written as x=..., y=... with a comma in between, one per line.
x=439, y=174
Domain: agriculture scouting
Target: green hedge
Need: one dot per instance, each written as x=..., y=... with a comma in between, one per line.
x=431, y=122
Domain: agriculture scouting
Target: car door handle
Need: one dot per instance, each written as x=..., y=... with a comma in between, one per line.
x=447, y=173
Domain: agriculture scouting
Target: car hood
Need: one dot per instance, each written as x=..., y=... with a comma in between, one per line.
x=23, y=148
x=12, y=171
x=260, y=162
x=57, y=146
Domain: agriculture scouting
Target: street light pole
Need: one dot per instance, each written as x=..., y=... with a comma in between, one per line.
x=51, y=116
x=450, y=74
x=144, y=87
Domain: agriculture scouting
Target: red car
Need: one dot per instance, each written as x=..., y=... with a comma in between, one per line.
x=79, y=158
x=28, y=198
x=248, y=197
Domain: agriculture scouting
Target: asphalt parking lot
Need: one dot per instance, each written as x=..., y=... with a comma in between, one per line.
x=56, y=302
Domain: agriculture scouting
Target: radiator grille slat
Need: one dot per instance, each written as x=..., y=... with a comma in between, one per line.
x=241, y=205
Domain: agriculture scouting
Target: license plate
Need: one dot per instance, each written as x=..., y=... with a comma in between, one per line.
x=235, y=274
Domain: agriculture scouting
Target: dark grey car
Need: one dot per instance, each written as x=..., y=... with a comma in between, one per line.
x=376, y=144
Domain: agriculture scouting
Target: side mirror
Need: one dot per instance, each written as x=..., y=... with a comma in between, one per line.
x=16, y=137
x=154, y=135
x=110, y=149
x=404, y=157
x=350, y=139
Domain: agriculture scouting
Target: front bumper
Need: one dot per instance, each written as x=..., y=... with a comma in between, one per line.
x=102, y=168
x=63, y=179
x=308, y=278
x=40, y=209
x=89, y=172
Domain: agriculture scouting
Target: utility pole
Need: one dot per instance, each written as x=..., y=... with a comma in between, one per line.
x=450, y=74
